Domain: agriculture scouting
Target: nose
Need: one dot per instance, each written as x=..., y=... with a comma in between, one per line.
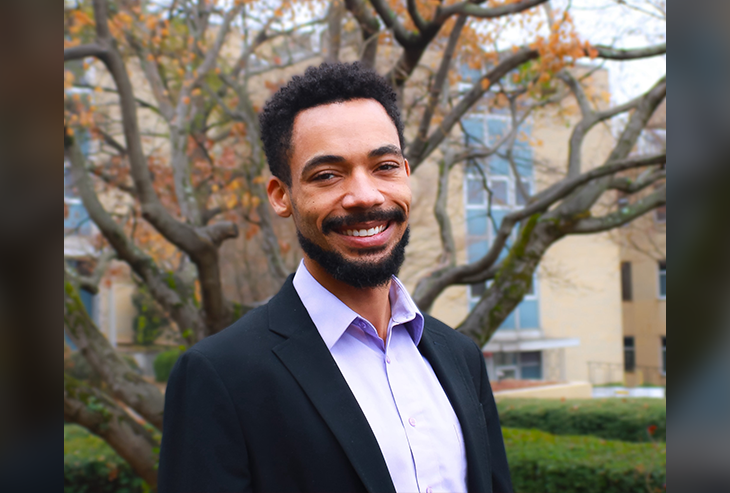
x=362, y=192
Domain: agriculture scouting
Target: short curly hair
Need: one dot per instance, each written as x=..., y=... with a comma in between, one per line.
x=325, y=84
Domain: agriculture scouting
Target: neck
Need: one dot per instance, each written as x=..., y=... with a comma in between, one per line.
x=372, y=304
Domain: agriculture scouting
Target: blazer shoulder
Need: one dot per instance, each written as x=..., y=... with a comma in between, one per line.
x=455, y=337
x=248, y=333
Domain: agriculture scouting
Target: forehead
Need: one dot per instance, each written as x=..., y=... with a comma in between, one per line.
x=347, y=129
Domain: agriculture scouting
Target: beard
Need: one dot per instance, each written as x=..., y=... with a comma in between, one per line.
x=359, y=273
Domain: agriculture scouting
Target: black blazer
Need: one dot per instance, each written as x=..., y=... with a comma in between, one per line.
x=262, y=406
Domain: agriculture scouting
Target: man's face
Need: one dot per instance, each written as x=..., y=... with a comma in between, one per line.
x=350, y=194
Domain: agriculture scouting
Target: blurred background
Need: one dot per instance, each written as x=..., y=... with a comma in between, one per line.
x=536, y=131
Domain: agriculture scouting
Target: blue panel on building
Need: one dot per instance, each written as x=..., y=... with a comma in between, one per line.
x=531, y=373
x=77, y=220
x=476, y=250
x=509, y=322
x=474, y=128
x=529, y=314
x=498, y=166
x=476, y=222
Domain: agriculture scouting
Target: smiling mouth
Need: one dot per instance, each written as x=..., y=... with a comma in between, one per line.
x=365, y=232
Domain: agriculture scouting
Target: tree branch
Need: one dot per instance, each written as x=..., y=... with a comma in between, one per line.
x=390, y=19
x=84, y=51
x=415, y=15
x=431, y=286
x=438, y=82
x=92, y=409
x=369, y=27
x=440, y=210
x=123, y=382
x=633, y=54
x=589, y=120
x=91, y=283
x=337, y=10
x=473, y=10
x=623, y=216
x=184, y=313
x=629, y=186
x=419, y=150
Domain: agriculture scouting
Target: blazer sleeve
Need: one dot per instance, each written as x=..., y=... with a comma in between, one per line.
x=203, y=448
x=501, y=479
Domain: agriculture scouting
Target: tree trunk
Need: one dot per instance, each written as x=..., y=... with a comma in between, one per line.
x=123, y=382
x=92, y=409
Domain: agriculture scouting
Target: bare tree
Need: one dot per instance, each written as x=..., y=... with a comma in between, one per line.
x=203, y=64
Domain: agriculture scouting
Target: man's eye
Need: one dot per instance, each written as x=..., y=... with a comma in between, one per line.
x=388, y=166
x=323, y=176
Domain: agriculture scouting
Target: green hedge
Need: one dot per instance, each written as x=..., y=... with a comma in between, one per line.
x=540, y=463
x=164, y=362
x=91, y=466
x=613, y=419
x=545, y=463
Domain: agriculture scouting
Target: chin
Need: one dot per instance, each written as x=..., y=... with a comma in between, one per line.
x=360, y=272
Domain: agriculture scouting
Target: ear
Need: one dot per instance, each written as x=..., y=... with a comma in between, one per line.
x=279, y=197
x=408, y=167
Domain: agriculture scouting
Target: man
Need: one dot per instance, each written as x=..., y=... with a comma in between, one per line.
x=339, y=383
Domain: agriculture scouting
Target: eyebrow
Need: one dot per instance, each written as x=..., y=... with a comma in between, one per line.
x=385, y=150
x=334, y=159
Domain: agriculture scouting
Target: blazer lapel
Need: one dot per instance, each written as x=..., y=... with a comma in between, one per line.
x=457, y=383
x=306, y=356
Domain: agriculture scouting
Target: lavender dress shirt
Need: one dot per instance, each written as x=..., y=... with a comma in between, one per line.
x=410, y=415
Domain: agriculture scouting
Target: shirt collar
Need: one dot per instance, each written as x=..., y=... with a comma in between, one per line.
x=332, y=317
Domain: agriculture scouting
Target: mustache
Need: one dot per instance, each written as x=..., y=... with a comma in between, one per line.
x=338, y=222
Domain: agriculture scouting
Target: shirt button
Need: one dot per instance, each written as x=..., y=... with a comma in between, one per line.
x=387, y=359
x=412, y=421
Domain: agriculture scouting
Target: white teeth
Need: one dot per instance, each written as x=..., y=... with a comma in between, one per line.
x=365, y=232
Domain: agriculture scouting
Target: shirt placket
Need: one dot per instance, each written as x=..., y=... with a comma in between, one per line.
x=415, y=416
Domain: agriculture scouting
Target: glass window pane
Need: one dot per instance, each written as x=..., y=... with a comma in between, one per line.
x=531, y=373
x=505, y=359
x=475, y=193
x=476, y=249
x=509, y=322
x=521, y=199
x=530, y=357
x=474, y=128
x=499, y=192
x=497, y=128
x=529, y=317
x=498, y=166
x=476, y=222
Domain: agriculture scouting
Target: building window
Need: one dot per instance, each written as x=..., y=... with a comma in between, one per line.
x=629, y=354
x=664, y=355
x=531, y=365
x=627, y=293
x=518, y=366
x=490, y=194
x=663, y=279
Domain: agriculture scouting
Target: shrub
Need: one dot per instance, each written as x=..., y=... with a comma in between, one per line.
x=545, y=463
x=91, y=466
x=164, y=362
x=613, y=419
